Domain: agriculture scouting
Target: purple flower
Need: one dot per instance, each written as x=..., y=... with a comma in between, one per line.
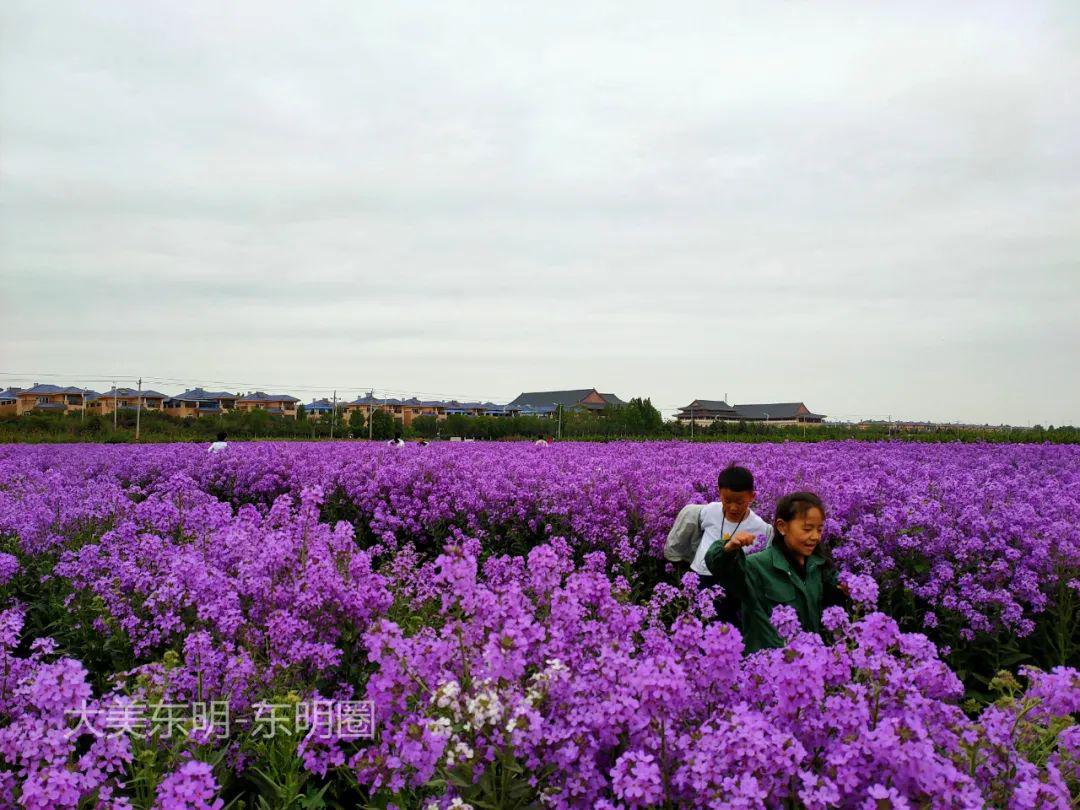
x=786, y=621
x=636, y=779
x=192, y=786
x=862, y=589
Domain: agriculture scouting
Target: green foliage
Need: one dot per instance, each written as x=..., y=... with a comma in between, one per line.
x=78, y=621
x=426, y=426
x=383, y=425
x=279, y=780
x=638, y=419
x=357, y=425
x=1035, y=732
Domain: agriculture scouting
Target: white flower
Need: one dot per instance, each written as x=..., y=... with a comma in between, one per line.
x=446, y=694
x=485, y=708
x=440, y=726
x=457, y=752
x=458, y=804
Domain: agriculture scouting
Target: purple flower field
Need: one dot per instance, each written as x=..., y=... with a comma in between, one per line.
x=494, y=626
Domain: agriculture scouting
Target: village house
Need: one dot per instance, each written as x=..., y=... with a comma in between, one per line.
x=54, y=398
x=413, y=407
x=404, y=409
x=119, y=399
x=704, y=412
x=369, y=403
x=318, y=408
x=197, y=402
x=455, y=408
x=280, y=404
x=9, y=404
x=548, y=403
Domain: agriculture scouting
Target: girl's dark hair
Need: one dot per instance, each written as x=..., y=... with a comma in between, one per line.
x=792, y=506
x=796, y=505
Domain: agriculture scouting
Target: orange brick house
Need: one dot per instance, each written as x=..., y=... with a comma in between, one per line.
x=404, y=409
x=52, y=398
x=280, y=404
x=119, y=399
x=197, y=402
x=9, y=405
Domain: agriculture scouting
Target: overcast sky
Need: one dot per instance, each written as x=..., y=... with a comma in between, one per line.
x=872, y=208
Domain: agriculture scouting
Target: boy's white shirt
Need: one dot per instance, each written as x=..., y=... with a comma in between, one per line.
x=217, y=447
x=714, y=526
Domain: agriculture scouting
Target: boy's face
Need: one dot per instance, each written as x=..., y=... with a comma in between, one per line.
x=736, y=504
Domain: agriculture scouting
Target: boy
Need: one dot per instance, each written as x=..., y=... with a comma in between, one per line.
x=729, y=519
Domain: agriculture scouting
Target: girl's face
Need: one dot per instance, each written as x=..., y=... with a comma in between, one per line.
x=802, y=533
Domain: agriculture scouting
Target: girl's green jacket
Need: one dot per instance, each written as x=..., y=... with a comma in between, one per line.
x=764, y=580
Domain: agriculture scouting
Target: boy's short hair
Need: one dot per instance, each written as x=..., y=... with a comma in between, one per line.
x=737, y=479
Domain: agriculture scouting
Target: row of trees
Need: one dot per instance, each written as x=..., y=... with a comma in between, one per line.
x=638, y=419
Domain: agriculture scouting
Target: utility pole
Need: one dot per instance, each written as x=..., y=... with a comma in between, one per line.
x=82, y=413
x=138, y=410
x=333, y=415
x=114, y=404
x=691, y=422
x=370, y=413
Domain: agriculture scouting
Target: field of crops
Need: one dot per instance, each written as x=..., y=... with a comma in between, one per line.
x=494, y=626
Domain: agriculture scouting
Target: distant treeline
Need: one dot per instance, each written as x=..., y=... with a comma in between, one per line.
x=636, y=420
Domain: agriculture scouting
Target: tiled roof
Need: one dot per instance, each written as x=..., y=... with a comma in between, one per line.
x=198, y=394
x=262, y=396
x=42, y=390
x=775, y=410
x=710, y=404
x=568, y=399
x=129, y=392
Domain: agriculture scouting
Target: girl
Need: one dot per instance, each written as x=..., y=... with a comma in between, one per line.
x=794, y=570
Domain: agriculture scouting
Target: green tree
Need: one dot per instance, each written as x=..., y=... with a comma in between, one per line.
x=357, y=424
x=426, y=426
x=651, y=420
x=458, y=425
x=383, y=425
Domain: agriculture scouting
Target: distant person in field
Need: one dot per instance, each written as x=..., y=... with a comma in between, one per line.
x=220, y=445
x=730, y=518
x=794, y=570
x=541, y=442
x=397, y=441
